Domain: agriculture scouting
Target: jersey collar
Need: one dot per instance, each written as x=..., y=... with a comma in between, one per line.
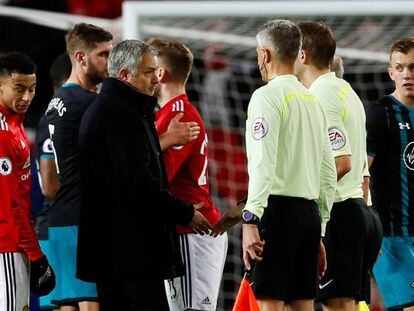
x=11, y=116
x=283, y=78
x=70, y=84
x=321, y=78
x=394, y=100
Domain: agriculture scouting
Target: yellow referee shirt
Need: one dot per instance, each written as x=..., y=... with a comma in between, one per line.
x=347, y=133
x=288, y=149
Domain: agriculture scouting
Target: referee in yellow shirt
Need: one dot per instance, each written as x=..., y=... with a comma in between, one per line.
x=353, y=235
x=290, y=165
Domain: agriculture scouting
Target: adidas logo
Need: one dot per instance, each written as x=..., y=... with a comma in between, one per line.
x=206, y=301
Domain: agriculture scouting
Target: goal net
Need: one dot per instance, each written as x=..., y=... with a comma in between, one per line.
x=221, y=36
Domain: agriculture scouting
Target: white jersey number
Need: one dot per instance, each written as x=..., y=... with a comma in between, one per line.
x=51, y=132
x=202, y=180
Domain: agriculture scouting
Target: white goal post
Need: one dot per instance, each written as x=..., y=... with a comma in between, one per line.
x=134, y=10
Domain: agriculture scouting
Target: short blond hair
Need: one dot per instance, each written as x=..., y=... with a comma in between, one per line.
x=403, y=45
x=177, y=56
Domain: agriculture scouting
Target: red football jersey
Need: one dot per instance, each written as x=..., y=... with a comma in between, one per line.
x=16, y=226
x=187, y=166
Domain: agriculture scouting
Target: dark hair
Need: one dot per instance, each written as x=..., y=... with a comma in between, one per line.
x=60, y=70
x=16, y=62
x=282, y=38
x=178, y=57
x=403, y=45
x=85, y=37
x=318, y=41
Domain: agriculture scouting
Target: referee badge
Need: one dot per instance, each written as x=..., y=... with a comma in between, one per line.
x=259, y=128
x=5, y=166
x=337, y=138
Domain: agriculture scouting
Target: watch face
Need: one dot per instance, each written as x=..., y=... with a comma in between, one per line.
x=247, y=215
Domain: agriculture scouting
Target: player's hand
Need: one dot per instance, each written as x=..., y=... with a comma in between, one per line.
x=182, y=132
x=322, y=264
x=252, y=245
x=198, y=205
x=232, y=217
x=199, y=223
x=42, y=277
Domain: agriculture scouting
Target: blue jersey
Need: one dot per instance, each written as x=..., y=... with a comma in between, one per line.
x=64, y=115
x=390, y=141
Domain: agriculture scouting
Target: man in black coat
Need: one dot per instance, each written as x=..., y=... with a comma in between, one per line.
x=127, y=238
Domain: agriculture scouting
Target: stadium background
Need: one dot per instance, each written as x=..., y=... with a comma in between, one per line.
x=224, y=75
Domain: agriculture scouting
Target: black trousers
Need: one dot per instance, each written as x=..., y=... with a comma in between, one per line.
x=147, y=294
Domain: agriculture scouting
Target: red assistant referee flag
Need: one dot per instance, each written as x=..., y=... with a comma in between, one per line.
x=245, y=300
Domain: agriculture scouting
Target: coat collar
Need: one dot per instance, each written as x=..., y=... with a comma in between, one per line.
x=143, y=103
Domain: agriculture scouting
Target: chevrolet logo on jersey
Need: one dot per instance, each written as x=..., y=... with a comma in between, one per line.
x=27, y=164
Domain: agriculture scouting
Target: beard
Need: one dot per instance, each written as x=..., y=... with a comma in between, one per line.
x=95, y=74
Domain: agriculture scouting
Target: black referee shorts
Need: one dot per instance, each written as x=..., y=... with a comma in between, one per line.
x=372, y=248
x=352, y=242
x=291, y=228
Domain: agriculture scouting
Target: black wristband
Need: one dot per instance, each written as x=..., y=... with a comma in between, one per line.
x=250, y=218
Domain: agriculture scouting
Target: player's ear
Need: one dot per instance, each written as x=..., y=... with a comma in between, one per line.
x=391, y=72
x=123, y=74
x=162, y=74
x=303, y=56
x=267, y=56
x=80, y=57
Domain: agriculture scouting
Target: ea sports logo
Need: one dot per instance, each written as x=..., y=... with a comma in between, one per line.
x=5, y=166
x=259, y=128
x=337, y=138
x=408, y=156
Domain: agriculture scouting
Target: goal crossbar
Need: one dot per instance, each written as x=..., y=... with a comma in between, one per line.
x=133, y=10
x=213, y=36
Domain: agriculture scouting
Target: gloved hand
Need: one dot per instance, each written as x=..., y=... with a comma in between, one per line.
x=42, y=277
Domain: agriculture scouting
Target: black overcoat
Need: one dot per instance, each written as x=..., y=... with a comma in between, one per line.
x=128, y=217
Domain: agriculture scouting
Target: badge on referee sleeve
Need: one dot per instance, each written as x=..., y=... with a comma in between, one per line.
x=337, y=138
x=259, y=128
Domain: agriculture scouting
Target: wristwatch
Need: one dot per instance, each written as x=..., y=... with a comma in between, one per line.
x=250, y=218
